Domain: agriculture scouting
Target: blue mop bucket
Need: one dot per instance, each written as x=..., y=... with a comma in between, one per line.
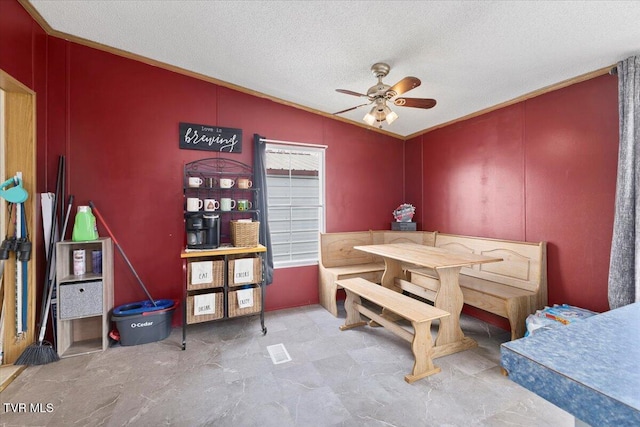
x=143, y=322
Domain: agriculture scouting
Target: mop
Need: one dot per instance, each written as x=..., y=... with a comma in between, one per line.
x=124, y=256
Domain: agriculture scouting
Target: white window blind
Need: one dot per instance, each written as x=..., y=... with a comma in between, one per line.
x=295, y=182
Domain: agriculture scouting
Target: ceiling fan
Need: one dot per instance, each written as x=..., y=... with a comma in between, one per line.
x=380, y=93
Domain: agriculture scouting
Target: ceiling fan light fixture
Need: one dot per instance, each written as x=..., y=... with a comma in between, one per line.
x=379, y=113
x=390, y=116
x=370, y=117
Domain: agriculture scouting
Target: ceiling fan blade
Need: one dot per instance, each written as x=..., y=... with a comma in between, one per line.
x=352, y=108
x=404, y=85
x=415, y=102
x=350, y=92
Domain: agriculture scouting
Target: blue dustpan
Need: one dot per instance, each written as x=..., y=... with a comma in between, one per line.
x=15, y=194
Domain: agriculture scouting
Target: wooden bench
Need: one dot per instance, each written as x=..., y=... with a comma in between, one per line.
x=338, y=259
x=513, y=288
x=418, y=313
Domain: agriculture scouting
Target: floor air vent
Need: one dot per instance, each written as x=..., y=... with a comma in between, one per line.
x=278, y=354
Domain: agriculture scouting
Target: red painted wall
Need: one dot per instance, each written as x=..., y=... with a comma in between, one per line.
x=116, y=121
x=473, y=182
x=540, y=170
x=571, y=166
x=543, y=169
x=23, y=47
x=17, y=50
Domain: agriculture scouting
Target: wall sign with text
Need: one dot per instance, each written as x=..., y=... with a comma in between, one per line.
x=210, y=138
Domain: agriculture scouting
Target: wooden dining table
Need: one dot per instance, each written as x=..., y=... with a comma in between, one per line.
x=446, y=265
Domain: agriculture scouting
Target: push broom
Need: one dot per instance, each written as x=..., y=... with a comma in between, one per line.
x=42, y=352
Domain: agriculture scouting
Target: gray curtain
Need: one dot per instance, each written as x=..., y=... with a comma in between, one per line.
x=624, y=270
x=260, y=181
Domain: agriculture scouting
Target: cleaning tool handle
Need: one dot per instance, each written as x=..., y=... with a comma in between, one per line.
x=104, y=224
x=133, y=270
x=48, y=280
x=45, y=319
x=43, y=326
x=66, y=217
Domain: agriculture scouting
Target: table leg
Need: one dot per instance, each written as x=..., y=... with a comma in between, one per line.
x=392, y=269
x=449, y=298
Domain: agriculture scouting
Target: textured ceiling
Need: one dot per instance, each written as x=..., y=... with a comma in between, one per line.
x=470, y=55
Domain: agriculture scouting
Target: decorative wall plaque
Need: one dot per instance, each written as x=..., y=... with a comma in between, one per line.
x=210, y=138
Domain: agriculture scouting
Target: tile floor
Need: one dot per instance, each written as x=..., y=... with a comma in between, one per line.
x=226, y=378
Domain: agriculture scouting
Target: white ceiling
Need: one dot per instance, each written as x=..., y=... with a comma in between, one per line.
x=470, y=55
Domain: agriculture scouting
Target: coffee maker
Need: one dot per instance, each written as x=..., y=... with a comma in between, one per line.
x=203, y=230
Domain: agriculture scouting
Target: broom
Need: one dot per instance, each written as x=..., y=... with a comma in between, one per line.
x=42, y=352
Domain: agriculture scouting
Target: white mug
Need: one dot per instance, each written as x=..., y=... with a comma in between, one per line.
x=194, y=204
x=244, y=183
x=211, y=205
x=226, y=183
x=195, y=181
x=226, y=204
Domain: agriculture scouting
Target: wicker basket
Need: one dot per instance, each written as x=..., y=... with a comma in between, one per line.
x=219, y=312
x=234, y=310
x=217, y=278
x=257, y=272
x=244, y=234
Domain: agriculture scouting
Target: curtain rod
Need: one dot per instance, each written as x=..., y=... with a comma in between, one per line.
x=299, y=144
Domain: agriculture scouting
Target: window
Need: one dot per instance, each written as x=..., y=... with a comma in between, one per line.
x=295, y=183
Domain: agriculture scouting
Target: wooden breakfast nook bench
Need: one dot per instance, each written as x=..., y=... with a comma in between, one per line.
x=339, y=260
x=418, y=313
x=512, y=288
